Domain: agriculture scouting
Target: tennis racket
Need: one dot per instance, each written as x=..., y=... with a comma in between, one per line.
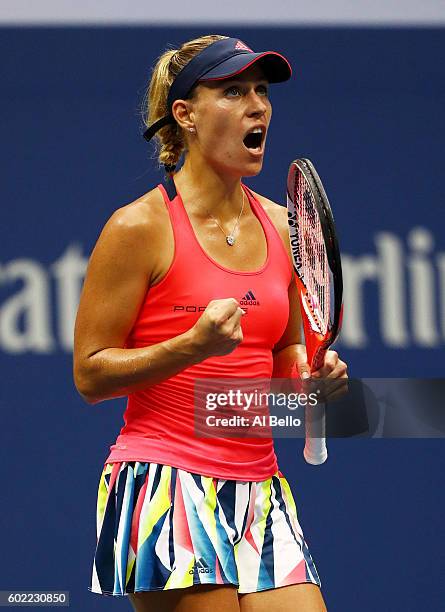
x=316, y=259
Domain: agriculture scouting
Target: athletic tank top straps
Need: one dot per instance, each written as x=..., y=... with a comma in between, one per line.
x=159, y=421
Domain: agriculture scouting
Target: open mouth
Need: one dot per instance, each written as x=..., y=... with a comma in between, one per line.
x=254, y=139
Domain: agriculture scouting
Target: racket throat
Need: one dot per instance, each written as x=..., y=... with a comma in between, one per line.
x=315, y=350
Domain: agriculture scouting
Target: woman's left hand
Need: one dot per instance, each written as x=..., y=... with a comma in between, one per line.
x=333, y=373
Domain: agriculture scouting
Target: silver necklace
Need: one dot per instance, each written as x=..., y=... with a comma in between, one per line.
x=230, y=238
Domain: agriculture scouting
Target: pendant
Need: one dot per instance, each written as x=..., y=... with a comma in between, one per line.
x=230, y=240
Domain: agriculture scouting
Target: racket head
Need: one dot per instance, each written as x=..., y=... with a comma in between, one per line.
x=316, y=258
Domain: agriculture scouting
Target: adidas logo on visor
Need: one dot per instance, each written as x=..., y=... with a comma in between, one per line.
x=240, y=45
x=249, y=299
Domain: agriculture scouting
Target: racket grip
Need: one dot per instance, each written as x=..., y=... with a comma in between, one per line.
x=315, y=450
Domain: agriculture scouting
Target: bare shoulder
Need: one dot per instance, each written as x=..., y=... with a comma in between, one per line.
x=277, y=214
x=132, y=237
x=141, y=218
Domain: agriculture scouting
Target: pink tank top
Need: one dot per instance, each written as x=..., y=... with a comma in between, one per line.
x=159, y=421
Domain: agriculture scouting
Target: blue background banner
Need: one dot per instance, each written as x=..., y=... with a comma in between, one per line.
x=366, y=105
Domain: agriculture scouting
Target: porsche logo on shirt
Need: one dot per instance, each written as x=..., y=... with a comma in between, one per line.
x=248, y=299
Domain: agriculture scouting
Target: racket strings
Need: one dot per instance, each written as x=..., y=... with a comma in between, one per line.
x=314, y=261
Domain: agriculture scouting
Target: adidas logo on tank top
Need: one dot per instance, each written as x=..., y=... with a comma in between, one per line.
x=249, y=299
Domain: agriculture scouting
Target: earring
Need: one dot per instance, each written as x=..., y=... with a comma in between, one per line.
x=192, y=130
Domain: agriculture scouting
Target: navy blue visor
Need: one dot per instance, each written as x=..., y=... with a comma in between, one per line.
x=222, y=59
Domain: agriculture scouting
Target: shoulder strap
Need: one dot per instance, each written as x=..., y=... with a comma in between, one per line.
x=170, y=188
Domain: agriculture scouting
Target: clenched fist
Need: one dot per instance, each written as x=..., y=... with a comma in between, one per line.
x=218, y=330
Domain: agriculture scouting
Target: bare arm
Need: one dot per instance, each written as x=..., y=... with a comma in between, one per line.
x=290, y=349
x=119, y=272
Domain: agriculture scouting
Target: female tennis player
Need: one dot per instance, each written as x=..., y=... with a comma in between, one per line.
x=188, y=523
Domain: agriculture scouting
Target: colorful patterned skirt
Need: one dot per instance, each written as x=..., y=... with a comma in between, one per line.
x=160, y=528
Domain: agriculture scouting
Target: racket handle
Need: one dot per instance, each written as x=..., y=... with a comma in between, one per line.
x=315, y=450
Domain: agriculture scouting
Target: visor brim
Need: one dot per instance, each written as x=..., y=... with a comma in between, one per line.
x=275, y=66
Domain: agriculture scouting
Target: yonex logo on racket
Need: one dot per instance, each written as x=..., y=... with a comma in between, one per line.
x=293, y=235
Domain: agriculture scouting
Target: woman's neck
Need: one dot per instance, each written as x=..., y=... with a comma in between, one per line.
x=205, y=191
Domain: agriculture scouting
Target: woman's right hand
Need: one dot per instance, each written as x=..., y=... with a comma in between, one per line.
x=218, y=330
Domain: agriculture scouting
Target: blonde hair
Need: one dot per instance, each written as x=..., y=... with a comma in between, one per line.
x=170, y=139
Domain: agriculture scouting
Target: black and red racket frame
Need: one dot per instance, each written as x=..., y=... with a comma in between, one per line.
x=316, y=343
